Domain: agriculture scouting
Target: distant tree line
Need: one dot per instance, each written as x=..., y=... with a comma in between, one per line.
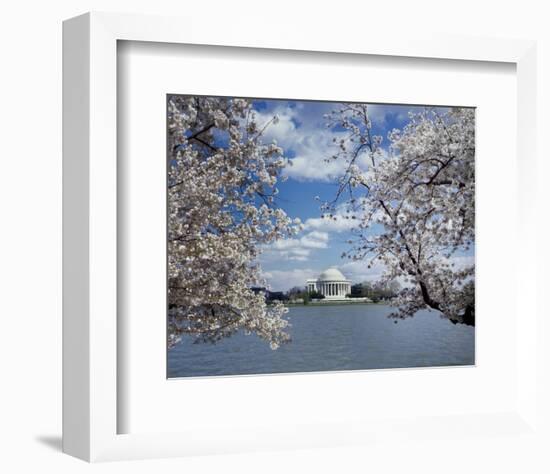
x=296, y=294
x=301, y=294
x=375, y=290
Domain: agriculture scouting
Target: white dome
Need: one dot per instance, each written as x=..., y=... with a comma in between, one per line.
x=332, y=274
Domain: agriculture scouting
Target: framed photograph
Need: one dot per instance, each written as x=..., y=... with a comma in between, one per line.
x=311, y=238
x=248, y=248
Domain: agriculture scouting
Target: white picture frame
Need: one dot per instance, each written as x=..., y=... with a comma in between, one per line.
x=90, y=236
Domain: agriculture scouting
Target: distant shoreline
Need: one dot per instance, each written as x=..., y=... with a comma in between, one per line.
x=334, y=303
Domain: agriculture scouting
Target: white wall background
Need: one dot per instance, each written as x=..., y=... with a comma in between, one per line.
x=30, y=213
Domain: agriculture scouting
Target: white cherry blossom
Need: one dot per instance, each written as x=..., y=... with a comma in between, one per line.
x=221, y=211
x=416, y=204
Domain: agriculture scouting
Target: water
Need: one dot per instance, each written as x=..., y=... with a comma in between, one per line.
x=328, y=338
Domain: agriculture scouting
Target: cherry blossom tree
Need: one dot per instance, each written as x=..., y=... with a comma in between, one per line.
x=221, y=210
x=414, y=203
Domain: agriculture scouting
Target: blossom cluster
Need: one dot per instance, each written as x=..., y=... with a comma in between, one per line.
x=416, y=202
x=222, y=181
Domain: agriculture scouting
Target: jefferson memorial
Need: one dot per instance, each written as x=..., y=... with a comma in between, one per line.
x=331, y=283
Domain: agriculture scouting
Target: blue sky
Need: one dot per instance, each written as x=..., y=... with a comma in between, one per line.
x=301, y=131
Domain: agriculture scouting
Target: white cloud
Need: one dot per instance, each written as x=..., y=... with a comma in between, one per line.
x=359, y=271
x=283, y=280
x=340, y=224
x=312, y=240
x=315, y=240
x=311, y=142
x=282, y=131
x=296, y=249
x=312, y=161
x=340, y=221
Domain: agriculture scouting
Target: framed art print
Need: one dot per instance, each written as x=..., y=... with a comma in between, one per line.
x=256, y=231
x=316, y=236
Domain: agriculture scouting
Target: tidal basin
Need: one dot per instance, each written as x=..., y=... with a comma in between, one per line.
x=333, y=337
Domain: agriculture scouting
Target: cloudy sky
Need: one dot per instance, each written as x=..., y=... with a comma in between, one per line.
x=302, y=132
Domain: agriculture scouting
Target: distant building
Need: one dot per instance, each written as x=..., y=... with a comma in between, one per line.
x=260, y=289
x=276, y=296
x=270, y=296
x=331, y=284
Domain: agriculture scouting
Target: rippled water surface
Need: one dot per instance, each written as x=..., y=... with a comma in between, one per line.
x=343, y=337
